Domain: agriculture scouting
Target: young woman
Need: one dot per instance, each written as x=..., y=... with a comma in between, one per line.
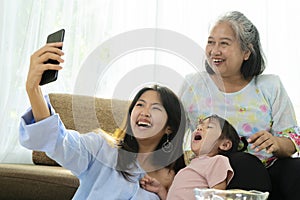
x=213, y=138
x=150, y=142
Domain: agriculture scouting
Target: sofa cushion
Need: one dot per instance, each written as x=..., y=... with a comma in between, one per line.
x=40, y=158
x=22, y=181
x=84, y=114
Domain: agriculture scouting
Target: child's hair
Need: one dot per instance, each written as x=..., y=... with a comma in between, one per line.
x=229, y=132
x=129, y=147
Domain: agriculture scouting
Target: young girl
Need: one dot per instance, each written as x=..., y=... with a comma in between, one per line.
x=213, y=138
x=151, y=140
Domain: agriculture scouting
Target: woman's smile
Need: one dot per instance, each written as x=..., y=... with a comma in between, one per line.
x=144, y=123
x=148, y=116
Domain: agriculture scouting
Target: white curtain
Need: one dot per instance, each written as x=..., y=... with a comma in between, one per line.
x=25, y=25
x=24, y=28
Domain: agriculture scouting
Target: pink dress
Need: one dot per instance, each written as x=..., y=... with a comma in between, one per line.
x=202, y=172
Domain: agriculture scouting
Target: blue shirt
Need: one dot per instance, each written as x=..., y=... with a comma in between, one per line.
x=89, y=157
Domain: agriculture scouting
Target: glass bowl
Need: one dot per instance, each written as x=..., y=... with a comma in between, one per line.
x=232, y=194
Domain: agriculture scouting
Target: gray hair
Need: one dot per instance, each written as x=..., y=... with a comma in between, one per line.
x=248, y=37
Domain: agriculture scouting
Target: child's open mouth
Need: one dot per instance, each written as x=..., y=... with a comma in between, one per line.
x=197, y=137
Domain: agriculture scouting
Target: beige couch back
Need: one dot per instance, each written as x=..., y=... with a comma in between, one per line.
x=85, y=114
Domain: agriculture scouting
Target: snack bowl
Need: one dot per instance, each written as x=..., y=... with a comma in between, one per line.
x=232, y=194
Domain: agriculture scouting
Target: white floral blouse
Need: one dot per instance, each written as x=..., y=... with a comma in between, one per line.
x=262, y=105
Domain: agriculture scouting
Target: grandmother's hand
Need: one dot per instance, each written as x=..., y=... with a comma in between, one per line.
x=264, y=140
x=38, y=66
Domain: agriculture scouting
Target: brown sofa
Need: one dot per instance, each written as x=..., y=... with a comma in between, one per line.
x=45, y=179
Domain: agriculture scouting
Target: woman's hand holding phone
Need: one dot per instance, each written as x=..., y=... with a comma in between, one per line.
x=37, y=67
x=50, y=75
x=46, y=59
x=38, y=63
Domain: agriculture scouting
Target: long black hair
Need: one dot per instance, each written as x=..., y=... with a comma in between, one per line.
x=129, y=147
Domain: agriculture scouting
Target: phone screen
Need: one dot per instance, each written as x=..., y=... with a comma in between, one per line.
x=51, y=75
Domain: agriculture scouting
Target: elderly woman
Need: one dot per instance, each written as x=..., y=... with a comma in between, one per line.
x=257, y=105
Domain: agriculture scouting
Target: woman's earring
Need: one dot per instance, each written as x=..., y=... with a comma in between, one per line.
x=167, y=146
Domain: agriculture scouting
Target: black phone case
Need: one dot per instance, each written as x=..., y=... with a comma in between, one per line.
x=51, y=75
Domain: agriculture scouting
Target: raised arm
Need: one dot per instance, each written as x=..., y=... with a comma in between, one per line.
x=40, y=109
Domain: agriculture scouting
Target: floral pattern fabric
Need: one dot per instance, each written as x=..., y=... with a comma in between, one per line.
x=261, y=105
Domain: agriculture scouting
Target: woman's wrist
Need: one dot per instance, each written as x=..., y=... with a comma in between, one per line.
x=39, y=106
x=286, y=147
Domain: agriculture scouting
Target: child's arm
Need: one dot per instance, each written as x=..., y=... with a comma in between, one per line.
x=221, y=186
x=224, y=176
x=153, y=185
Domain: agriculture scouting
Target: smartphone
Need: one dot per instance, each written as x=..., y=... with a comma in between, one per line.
x=51, y=75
